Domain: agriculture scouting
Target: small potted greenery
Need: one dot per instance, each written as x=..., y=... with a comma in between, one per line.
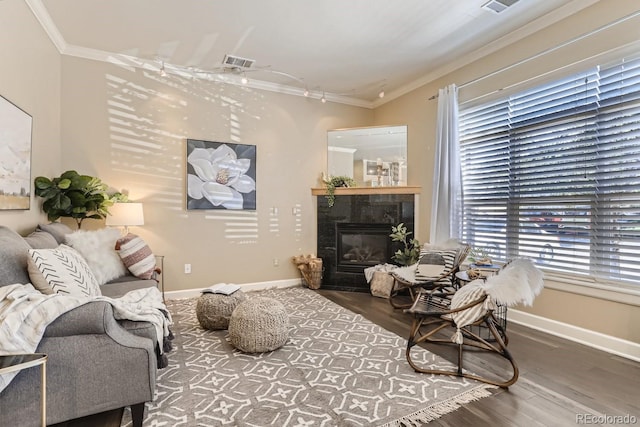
x=479, y=256
x=411, y=252
x=75, y=196
x=334, y=182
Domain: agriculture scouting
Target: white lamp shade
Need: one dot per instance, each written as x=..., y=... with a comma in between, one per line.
x=125, y=214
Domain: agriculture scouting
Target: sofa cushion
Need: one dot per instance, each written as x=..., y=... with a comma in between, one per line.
x=57, y=229
x=14, y=252
x=62, y=270
x=122, y=285
x=137, y=256
x=98, y=248
x=41, y=240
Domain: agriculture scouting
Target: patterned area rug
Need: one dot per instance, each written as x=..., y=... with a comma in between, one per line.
x=337, y=369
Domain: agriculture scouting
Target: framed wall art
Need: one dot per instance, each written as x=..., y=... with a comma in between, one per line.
x=15, y=156
x=220, y=175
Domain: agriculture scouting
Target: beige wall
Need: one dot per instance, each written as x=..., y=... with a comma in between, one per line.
x=129, y=127
x=414, y=109
x=595, y=314
x=30, y=78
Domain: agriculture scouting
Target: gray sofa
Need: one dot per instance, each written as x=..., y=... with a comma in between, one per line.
x=95, y=363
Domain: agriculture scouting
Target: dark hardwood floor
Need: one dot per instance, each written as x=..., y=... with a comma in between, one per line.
x=559, y=379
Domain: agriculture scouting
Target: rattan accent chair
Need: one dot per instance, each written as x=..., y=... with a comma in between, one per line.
x=434, y=271
x=468, y=321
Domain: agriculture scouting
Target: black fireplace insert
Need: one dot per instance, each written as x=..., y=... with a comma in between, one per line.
x=362, y=245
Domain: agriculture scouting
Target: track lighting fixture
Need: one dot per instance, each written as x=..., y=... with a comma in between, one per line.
x=192, y=72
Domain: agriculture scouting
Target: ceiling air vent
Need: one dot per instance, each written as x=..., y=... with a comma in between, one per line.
x=497, y=6
x=238, y=62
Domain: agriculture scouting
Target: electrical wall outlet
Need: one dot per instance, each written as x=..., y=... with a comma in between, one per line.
x=187, y=269
x=276, y=262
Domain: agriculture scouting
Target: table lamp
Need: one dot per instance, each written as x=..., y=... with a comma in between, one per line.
x=125, y=215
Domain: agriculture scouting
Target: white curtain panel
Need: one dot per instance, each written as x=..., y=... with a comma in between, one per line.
x=446, y=207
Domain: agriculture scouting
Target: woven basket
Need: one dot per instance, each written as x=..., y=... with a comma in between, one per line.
x=381, y=284
x=311, y=270
x=313, y=277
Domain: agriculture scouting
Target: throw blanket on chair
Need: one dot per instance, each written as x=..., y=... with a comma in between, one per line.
x=25, y=313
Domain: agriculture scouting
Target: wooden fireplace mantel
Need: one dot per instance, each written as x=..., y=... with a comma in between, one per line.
x=352, y=191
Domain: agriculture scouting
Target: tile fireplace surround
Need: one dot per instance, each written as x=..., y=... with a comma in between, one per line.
x=353, y=234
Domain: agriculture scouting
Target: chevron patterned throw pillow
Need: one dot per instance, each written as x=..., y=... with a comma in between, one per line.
x=61, y=270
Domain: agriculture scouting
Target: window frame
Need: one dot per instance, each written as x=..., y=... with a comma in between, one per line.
x=607, y=288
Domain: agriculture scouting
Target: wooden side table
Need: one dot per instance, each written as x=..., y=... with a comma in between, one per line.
x=462, y=277
x=18, y=362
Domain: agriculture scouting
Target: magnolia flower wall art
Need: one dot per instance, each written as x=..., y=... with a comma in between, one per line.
x=220, y=175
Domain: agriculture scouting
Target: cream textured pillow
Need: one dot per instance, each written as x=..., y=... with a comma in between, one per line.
x=467, y=294
x=98, y=249
x=137, y=256
x=62, y=270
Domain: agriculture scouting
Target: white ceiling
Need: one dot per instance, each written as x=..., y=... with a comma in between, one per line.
x=348, y=49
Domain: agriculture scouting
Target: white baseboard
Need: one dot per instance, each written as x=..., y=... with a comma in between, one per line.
x=246, y=287
x=608, y=343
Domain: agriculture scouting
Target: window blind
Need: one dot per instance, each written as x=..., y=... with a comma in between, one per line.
x=553, y=173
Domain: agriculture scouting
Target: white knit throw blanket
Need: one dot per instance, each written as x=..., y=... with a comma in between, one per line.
x=25, y=313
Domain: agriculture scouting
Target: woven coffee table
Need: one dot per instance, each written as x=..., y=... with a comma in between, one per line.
x=214, y=310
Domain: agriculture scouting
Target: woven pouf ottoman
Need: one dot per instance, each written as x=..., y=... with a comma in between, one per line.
x=214, y=310
x=258, y=325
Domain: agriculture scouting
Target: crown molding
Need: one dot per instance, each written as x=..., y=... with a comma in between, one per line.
x=506, y=40
x=42, y=15
x=341, y=149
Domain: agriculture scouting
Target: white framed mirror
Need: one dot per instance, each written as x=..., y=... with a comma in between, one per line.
x=373, y=156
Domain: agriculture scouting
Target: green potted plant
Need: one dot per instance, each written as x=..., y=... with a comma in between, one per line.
x=336, y=181
x=75, y=196
x=479, y=256
x=410, y=253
